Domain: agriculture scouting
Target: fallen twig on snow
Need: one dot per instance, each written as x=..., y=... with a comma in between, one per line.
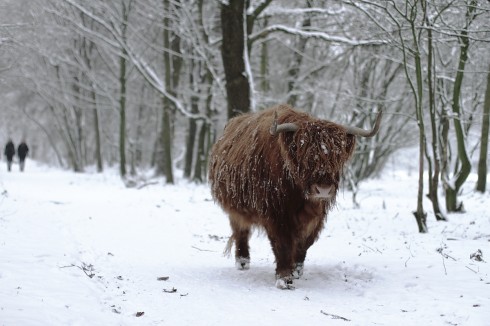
x=444, y=264
x=202, y=249
x=85, y=268
x=172, y=290
x=334, y=316
x=472, y=270
x=373, y=250
x=150, y=183
x=443, y=254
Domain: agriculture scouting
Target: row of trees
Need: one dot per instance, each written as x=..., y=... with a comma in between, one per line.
x=151, y=83
x=436, y=42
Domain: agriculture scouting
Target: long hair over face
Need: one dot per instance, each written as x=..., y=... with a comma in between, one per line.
x=317, y=152
x=256, y=173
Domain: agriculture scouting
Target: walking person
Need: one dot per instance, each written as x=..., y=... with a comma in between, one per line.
x=9, y=153
x=22, y=151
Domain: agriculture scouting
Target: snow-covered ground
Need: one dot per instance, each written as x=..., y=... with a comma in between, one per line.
x=82, y=249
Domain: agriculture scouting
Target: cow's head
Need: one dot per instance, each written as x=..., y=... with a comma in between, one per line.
x=315, y=151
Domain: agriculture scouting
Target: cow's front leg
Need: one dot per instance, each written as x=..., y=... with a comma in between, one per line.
x=283, y=248
x=309, y=234
x=299, y=259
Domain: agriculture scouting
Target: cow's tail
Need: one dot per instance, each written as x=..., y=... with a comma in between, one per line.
x=229, y=245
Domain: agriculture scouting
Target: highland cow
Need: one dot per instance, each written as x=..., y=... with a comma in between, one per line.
x=279, y=170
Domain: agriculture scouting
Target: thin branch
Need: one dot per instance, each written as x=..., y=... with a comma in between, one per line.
x=319, y=35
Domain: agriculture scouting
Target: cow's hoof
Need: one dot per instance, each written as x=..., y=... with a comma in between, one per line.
x=242, y=263
x=298, y=270
x=284, y=283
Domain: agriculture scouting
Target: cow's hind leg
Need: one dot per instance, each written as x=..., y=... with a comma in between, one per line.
x=240, y=234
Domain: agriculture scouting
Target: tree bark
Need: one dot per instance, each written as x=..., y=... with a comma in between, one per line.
x=264, y=66
x=482, y=161
x=461, y=173
x=122, y=116
x=166, y=134
x=295, y=66
x=98, y=150
x=200, y=165
x=233, y=17
x=192, y=129
x=420, y=215
x=122, y=95
x=434, y=160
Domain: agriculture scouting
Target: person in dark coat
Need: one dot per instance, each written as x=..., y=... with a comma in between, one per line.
x=22, y=151
x=9, y=153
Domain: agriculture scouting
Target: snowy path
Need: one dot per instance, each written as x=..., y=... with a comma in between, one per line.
x=81, y=249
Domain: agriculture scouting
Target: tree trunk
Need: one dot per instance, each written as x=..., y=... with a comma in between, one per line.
x=78, y=132
x=420, y=215
x=204, y=141
x=122, y=96
x=295, y=66
x=122, y=116
x=482, y=161
x=200, y=165
x=462, y=173
x=233, y=48
x=71, y=142
x=192, y=130
x=172, y=66
x=98, y=150
x=164, y=165
x=138, y=147
x=434, y=160
x=264, y=66
x=86, y=51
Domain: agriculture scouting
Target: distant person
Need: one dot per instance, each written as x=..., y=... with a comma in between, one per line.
x=22, y=151
x=9, y=153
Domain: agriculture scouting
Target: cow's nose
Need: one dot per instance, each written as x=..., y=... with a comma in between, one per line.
x=321, y=192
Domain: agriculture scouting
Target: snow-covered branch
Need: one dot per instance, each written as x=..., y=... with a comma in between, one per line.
x=158, y=84
x=314, y=34
x=254, y=12
x=277, y=10
x=142, y=66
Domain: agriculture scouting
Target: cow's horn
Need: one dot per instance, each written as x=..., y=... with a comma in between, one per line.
x=283, y=127
x=365, y=133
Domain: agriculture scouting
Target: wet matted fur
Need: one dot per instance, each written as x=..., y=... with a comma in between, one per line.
x=264, y=180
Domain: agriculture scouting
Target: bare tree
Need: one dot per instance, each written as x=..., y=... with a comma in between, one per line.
x=135, y=82
x=482, y=161
x=422, y=31
x=461, y=173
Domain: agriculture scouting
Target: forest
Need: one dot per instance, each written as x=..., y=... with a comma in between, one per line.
x=145, y=84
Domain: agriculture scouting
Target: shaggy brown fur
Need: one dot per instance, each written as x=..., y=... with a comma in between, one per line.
x=269, y=181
